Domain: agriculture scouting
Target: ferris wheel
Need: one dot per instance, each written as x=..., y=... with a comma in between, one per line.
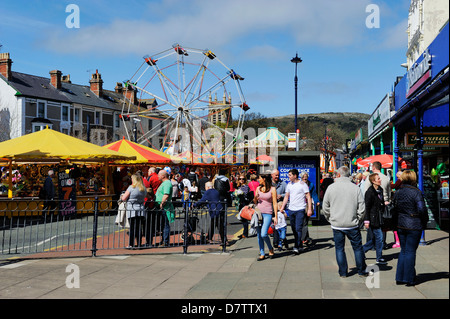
x=188, y=93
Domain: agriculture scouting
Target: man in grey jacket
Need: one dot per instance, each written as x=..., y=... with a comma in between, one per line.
x=343, y=207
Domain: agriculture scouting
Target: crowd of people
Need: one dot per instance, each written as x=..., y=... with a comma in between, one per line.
x=349, y=204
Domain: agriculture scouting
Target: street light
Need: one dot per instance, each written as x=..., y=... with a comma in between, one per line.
x=296, y=60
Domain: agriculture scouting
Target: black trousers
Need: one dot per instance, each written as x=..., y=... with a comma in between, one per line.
x=136, y=231
x=217, y=221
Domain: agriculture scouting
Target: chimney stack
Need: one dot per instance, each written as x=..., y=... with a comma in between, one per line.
x=97, y=84
x=5, y=66
x=55, y=79
x=119, y=87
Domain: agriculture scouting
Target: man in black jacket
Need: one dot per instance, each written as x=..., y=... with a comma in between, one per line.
x=222, y=184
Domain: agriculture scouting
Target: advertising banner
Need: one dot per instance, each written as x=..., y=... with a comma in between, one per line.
x=303, y=165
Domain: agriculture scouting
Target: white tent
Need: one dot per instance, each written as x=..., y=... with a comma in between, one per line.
x=270, y=137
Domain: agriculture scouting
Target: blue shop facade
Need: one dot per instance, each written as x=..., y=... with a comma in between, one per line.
x=420, y=124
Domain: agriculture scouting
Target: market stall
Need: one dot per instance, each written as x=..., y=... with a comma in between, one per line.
x=26, y=161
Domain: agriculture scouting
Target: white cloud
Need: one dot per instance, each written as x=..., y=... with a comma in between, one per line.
x=217, y=24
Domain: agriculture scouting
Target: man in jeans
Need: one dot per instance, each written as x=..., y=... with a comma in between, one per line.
x=296, y=192
x=343, y=207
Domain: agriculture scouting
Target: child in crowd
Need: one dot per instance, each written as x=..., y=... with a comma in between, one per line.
x=281, y=226
x=185, y=197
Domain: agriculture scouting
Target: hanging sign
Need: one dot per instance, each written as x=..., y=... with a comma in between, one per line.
x=67, y=194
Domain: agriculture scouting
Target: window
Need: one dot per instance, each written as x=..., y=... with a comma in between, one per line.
x=41, y=110
x=98, y=120
x=76, y=114
x=40, y=126
x=116, y=120
x=65, y=113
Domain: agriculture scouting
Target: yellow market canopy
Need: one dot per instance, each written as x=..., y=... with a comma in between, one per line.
x=48, y=145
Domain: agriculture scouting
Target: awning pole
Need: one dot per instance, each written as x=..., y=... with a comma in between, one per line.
x=10, y=186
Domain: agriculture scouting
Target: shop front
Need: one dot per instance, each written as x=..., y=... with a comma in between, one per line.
x=421, y=124
x=379, y=130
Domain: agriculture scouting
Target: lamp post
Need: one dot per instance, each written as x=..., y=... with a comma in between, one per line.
x=296, y=60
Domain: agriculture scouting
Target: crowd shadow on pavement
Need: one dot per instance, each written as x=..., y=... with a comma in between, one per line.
x=422, y=278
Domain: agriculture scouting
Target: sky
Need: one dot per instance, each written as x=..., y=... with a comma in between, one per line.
x=351, y=50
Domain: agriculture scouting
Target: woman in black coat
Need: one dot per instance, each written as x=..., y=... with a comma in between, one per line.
x=373, y=218
x=412, y=217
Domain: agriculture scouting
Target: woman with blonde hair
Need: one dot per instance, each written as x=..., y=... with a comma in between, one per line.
x=136, y=213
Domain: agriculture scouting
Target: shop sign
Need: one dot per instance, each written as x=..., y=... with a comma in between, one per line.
x=419, y=73
x=67, y=193
x=381, y=115
x=430, y=139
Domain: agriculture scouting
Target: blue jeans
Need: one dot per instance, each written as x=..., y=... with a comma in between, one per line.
x=166, y=227
x=377, y=241
x=262, y=232
x=354, y=235
x=409, y=241
x=296, y=217
x=281, y=235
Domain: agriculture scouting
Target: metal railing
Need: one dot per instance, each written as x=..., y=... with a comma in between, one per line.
x=35, y=226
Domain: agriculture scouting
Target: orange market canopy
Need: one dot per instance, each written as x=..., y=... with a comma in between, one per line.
x=50, y=145
x=142, y=153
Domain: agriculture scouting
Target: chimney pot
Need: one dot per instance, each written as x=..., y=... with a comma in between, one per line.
x=66, y=78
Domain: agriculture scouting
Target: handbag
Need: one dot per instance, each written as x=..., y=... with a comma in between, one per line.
x=247, y=212
x=121, y=218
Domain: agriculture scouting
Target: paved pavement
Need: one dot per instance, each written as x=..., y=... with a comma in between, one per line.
x=235, y=274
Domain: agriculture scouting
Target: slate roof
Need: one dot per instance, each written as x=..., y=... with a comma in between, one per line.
x=36, y=86
x=40, y=87
x=82, y=94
